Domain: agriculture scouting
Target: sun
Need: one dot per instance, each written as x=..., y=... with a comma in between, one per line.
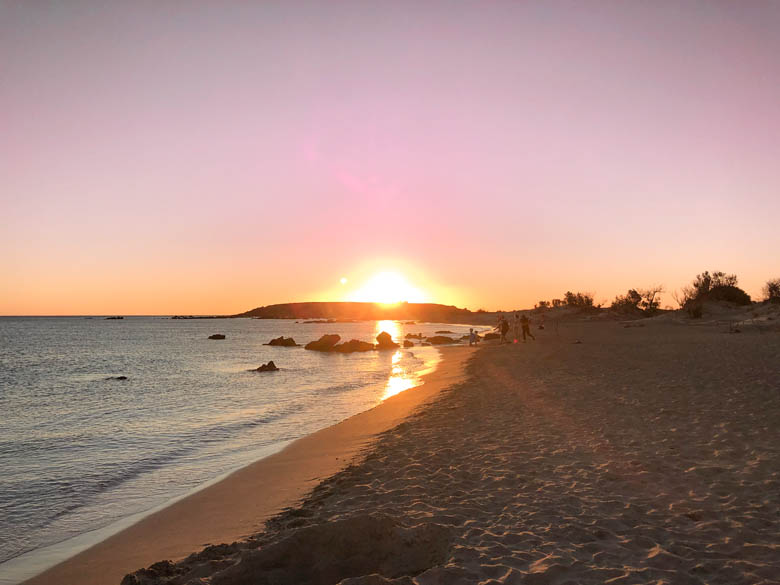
x=388, y=288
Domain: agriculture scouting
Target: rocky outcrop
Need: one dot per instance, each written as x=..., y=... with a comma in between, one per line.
x=324, y=343
x=117, y=378
x=353, y=345
x=444, y=332
x=283, y=342
x=217, y=336
x=440, y=340
x=384, y=341
x=269, y=367
x=408, y=343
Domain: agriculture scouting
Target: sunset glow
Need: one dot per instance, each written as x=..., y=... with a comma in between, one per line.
x=167, y=173
x=388, y=288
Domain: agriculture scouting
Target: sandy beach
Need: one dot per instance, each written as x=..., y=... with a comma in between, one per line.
x=599, y=454
x=237, y=507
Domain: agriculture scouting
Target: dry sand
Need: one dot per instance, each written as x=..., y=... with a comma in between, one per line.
x=646, y=454
x=238, y=506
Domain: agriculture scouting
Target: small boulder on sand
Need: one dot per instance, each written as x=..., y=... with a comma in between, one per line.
x=324, y=343
x=217, y=336
x=384, y=341
x=283, y=342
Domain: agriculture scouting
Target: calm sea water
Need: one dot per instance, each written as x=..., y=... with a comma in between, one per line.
x=80, y=451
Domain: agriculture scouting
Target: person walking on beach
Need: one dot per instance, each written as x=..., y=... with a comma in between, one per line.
x=504, y=324
x=526, y=328
x=472, y=336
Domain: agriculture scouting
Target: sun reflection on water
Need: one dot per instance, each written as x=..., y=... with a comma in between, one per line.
x=391, y=327
x=400, y=379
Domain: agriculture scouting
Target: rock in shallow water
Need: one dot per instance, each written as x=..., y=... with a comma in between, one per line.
x=269, y=367
x=324, y=343
x=384, y=341
x=283, y=342
x=217, y=336
x=353, y=345
x=440, y=340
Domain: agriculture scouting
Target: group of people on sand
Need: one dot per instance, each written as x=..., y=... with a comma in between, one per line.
x=520, y=326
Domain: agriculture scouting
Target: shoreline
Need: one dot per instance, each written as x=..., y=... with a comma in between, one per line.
x=238, y=505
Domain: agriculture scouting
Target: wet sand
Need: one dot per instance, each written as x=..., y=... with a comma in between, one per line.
x=238, y=506
x=598, y=454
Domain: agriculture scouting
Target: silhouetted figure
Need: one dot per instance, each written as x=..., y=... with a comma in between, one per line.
x=516, y=328
x=526, y=328
x=472, y=336
x=504, y=325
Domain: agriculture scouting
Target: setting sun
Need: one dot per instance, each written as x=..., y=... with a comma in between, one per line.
x=388, y=288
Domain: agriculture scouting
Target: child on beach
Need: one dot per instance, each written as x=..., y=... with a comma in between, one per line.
x=472, y=336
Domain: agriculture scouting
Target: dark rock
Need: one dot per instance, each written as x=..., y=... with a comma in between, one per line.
x=324, y=343
x=414, y=336
x=384, y=341
x=445, y=331
x=269, y=367
x=117, y=378
x=353, y=345
x=283, y=342
x=440, y=340
x=113, y=318
x=217, y=336
x=408, y=343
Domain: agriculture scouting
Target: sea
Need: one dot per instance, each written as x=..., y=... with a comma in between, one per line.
x=84, y=453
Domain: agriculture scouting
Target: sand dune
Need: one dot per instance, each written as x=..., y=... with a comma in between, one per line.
x=641, y=455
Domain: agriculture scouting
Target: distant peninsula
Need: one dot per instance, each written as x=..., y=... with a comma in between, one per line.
x=352, y=311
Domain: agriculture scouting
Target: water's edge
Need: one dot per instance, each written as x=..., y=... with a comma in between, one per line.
x=32, y=563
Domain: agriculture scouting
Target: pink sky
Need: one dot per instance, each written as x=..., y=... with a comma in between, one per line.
x=213, y=157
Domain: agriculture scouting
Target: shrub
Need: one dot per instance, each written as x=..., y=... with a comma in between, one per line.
x=732, y=294
x=628, y=303
x=717, y=286
x=557, y=303
x=579, y=300
x=642, y=300
x=772, y=290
